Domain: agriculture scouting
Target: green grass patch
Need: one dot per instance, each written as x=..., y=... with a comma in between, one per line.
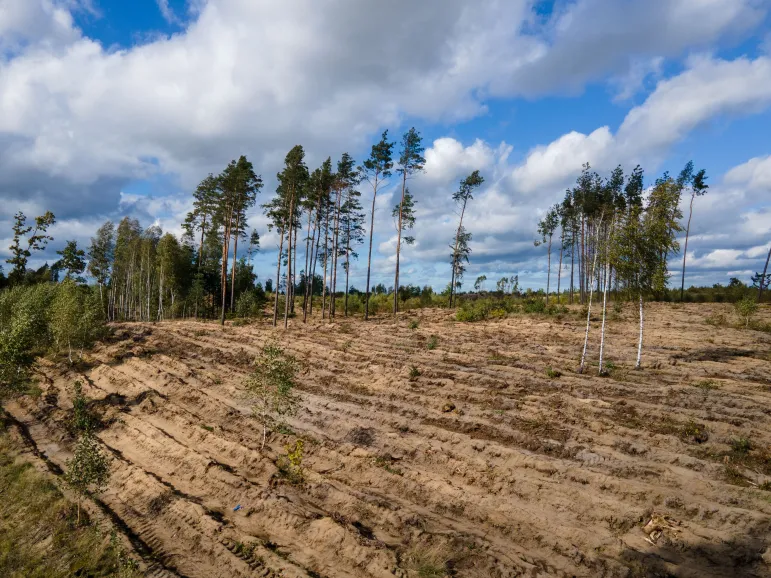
x=39, y=537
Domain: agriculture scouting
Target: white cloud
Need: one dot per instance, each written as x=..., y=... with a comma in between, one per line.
x=709, y=88
x=754, y=174
x=257, y=77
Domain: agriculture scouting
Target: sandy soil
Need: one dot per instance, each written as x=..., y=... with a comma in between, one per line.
x=482, y=465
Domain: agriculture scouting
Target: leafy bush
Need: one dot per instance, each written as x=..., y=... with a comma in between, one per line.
x=250, y=304
x=746, y=309
x=272, y=383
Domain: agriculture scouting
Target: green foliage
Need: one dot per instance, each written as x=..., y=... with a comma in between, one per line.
x=553, y=373
x=414, y=373
x=73, y=261
x=290, y=465
x=250, y=304
x=414, y=324
x=76, y=317
x=84, y=419
x=746, y=308
x=433, y=341
x=271, y=385
x=707, y=384
x=24, y=332
x=88, y=471
x=22, y=246
x=38, y=535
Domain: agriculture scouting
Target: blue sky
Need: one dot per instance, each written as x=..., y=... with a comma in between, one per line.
x=114, y=108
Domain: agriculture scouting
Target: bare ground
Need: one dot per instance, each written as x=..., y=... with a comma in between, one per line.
x=485, y=464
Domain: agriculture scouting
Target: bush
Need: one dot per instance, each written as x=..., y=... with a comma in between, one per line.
x=250, y=304
x=746, y=309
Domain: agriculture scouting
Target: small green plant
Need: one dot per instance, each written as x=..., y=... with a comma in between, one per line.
x=386, y=462
x=290, y=465
x=433, y=341
x=707, y=384
x=346, y=346
x=89, y=470
x=746, y=309
x=716, y=320
x=414, y=373
x=553, y=373
x=694, y=432
x=741, y=446
x=272, y=386
x=83, y=418
x=207, y=427
x=618, y=307
x=414, y=324
x=765, y=486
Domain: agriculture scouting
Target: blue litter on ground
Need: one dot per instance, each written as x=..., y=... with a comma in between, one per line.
x=238, y=507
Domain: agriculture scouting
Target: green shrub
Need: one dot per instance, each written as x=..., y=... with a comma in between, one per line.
x=746, y=309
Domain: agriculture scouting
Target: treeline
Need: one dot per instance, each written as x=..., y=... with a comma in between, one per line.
x=617, y=237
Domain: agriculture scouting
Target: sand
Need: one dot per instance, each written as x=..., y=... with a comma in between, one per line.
x=484, y=455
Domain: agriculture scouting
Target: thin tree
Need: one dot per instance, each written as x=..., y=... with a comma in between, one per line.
x=89, y=469
x=205, y=201
x=352, y=227
x=21, y=251
x=375, y=170
x=591, y=292
x=404, y=215
x=764, y=277
x=101, y=254
x=546, y=228
x=411, y=161
x=698, y=188
x=462, y=238
x=247, y=185
x=345, y=179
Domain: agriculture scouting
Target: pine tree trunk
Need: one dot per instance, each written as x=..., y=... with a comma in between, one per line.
x=335, y=245
x=278, y=278
x=233, y=269
x=326, y=262
x=582, y=262
x=305, y=287
x=398, y=247
x=289, y=280
x=763, y=278
x=685, y=249
x=455, y=255
x=572, y=263
x=347, y=264
x=606, y=282
x=224, y=268
x=559, y=271
x=200, y=245
x=317, y=236
x=294, y=270
x=548, y=270
x=640, y=342
x=369, y=254
x=588, y=312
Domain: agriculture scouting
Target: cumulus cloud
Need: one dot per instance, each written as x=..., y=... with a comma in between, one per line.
x=709, y=88
x=256, y=77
